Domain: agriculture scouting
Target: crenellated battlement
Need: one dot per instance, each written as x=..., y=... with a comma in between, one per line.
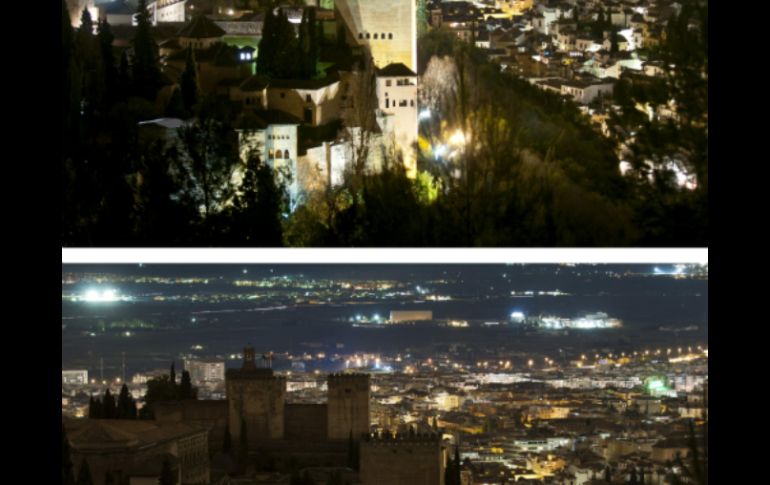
x=387, y=438
x=349, y=376
x=252, y=374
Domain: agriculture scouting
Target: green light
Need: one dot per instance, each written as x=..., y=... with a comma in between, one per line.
x=656, y=385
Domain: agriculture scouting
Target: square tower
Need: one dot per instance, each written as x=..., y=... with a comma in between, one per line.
x=387, y=27
x=256, y=395
x=348, y=406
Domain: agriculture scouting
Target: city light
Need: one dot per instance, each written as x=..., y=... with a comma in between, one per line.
x=94, y=295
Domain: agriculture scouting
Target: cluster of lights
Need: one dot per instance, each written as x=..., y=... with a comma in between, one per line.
x=93, y=295
x=597, y=320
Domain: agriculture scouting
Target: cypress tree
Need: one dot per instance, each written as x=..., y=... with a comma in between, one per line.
x=185, y=387
x=65, y=80
x=91, y=408
x=124, y=77
x=449, y=472
x=172, y=375
x=303, y=47
x=145, y=66
x=108, y=75
x=189, y=82
x=84, y=474
x=87, y=60
x=456, y=474
x=175, y=106
x=312, y=59
x=108, y=406
x=267, y=45
x=124, y=403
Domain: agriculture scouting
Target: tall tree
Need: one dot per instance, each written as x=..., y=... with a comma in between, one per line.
x=108, y=73
x=124, y=404
x=88, y=61
x=313, y=33
x=92, y=411
x=209, y=162
x=108, y=405
x=259, y=205
x=303, y=46
x=185, y=387
x=189, y=82
x=146, y=71
x=124, y=77
x=359, y=116
x=286, y=66
x=267, y=44
x=172, y=374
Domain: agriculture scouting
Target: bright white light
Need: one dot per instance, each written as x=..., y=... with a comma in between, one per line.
x=440, y=151
x=93, y=295
x=425, y=114
x=457, y=139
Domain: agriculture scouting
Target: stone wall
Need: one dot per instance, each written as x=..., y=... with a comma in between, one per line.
x=305, y=422
x=415, y=460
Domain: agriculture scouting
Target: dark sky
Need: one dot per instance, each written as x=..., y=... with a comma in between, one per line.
x=380, y=271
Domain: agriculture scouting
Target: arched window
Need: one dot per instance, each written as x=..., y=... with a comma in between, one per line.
x=271, y=155
x=278, y=154
x=390, y=36
x=286, y=154
x=360, y=35
x=368, y=35
x=375, y=36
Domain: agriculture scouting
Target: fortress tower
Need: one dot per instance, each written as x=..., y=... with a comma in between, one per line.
x=402, y=460
x=348, y=406
x=387, y=27
x=258, y=396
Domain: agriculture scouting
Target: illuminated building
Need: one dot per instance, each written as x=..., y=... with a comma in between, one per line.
x=74, y=377
x=399, y=316
x=205, y=370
